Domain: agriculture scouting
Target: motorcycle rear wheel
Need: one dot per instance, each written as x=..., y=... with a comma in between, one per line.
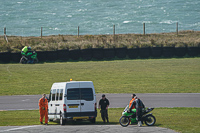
x=124, y=121
x=150, y=120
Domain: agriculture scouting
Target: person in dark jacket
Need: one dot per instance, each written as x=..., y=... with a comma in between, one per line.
x=103, y=104
x=139, y=106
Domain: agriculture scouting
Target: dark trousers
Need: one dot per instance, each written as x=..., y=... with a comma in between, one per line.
x=104, y=114
x=139, y=114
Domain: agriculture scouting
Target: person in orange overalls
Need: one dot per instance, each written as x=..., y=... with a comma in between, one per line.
x=43, y=107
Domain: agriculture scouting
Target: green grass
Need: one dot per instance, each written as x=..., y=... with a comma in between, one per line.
x=117, y=76
x=185, y=120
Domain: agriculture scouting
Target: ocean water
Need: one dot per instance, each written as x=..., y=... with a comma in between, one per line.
x=26, y=17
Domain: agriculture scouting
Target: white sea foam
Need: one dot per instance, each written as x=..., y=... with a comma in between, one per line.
x=125, y=22
x=97, y=16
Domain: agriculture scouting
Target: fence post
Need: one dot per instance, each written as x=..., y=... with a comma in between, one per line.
x=41, y=32
x=177, y=28
x=78, y=31
x=114, y=33
x=5, y=37
x=144, y=28
x=4, y=30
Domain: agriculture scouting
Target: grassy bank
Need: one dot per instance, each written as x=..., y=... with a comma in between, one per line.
x=179, y=119
x=46, y=43
x=118, y=76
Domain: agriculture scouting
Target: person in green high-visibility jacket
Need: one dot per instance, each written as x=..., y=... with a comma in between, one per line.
x=26, y=51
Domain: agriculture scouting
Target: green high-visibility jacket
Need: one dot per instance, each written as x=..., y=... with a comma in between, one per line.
x=25, y=49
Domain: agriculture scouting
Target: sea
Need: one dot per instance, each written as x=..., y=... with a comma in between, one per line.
x=97, y=17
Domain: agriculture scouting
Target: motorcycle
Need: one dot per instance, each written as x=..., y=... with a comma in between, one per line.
x=25, y=59
x=130, y=117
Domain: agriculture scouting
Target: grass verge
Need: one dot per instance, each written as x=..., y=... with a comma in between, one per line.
x=117, y=76
x=55, y=42
x=179, y=119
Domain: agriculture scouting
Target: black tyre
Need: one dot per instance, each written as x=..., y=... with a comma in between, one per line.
x=62, y=121
x=150, y=120
x=23, y=60
x=124, y=121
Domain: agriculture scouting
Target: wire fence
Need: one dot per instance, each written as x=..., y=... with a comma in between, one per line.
x=45, y=31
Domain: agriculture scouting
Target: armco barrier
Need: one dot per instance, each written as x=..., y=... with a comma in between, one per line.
x=63, y=55
x=193, y=51
x=41, y=55
x=15, y=57
x=168, y=52
x=109, y=53
x=51, y=55
x=98, y=53
x=145, y=52
x=5, y=57
x=75, y=54
x=86, y=54
x=180, y=51
x=121, y=52
x=156, y=51
x=133, y=53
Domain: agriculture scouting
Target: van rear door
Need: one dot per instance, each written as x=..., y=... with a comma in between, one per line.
x=88, y=98
x=73, y=97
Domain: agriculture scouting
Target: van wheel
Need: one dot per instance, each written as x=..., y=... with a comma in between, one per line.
x=93, y=120
x=62, y=121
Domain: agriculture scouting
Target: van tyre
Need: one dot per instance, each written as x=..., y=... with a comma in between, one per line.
x=62, y=121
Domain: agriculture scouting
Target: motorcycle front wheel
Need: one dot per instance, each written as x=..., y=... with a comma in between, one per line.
x=23, y=60
x=150, y=120
x=124, y=121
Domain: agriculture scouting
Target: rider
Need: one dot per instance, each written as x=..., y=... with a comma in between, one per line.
x=26, y=51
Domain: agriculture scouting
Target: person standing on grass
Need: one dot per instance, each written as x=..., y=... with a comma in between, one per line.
x=43, y=107
x=103, y=104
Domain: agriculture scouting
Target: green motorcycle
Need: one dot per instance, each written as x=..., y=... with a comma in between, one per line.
x=130, y=117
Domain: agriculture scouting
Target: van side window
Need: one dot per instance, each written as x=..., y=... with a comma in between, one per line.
x=61, y=94
x=73, y=94
x=57, y=94
x=53, y=94
x=87, y=94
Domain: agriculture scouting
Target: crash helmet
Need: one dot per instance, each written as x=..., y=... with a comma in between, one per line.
x=29, y=47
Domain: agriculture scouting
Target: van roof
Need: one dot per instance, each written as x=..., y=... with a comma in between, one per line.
x=73, y=81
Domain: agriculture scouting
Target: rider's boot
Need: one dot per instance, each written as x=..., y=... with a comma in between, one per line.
x=139, y=123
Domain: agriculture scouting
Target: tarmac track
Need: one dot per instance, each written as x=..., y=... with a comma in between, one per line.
x=29, y=102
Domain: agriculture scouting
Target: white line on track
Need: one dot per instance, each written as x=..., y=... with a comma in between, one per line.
x=18, y=128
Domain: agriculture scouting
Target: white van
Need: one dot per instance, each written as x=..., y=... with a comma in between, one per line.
x=71, y=101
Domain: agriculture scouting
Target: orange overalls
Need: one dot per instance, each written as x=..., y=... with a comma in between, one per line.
x=130, y=103
x=43, y=107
